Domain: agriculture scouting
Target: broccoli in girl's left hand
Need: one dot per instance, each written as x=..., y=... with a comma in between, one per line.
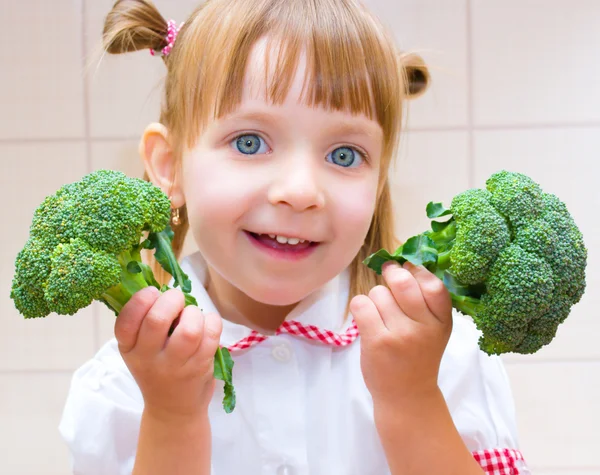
x=511, y=257
x=84, y=245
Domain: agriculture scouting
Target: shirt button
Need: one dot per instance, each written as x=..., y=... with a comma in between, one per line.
x=283, y=353
x=285, y=470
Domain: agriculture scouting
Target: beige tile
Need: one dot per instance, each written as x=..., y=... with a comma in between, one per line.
x=536, y=61
x=567, y=471
x=125, y=90
x=564, y=162
x=56, y=342
x=558, y=413
x=41, y=85
x=30, y=412
x=120, y=155
x=431, y=166
x=437, y=31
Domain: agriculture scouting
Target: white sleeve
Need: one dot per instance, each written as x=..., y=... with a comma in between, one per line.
x=477, y=390
x=102, y=415
x=101, y=418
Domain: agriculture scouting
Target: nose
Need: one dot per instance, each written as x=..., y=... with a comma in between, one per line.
x=297, y=184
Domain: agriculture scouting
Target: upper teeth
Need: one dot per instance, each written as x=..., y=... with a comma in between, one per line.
x=285, y=239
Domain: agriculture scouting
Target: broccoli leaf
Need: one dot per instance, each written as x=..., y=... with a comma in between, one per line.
x=375, y=261
x=419, y=250
x=133, y=267
x=149, y=275
x=454, y=286
x=161, y=242
x=437, y=226
x=190, y=299
x=223, y=371
x=437, y=210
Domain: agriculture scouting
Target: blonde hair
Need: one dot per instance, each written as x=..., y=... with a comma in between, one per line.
x=352, y=65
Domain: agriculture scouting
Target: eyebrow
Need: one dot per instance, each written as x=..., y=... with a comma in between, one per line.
x=339, y=127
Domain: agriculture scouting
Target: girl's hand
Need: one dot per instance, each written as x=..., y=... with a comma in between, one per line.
x=175, y=374
x=404, y=331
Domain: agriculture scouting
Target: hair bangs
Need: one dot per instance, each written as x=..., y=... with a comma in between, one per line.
x=350, y=65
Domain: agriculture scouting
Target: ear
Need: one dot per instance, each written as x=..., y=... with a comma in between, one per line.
x=157, y=154
x=416, y=75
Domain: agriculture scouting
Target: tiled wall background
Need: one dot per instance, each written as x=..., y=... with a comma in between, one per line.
x=516, y=84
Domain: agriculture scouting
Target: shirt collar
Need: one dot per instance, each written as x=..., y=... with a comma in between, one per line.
x=319, y=317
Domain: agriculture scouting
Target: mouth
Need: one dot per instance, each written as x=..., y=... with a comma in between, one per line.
x=282, y=246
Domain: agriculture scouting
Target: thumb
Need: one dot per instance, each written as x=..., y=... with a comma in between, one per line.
x=213, y=326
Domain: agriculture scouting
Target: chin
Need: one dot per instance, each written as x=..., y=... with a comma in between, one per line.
x=277, y=295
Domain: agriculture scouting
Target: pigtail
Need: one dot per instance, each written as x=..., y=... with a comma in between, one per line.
x=134, y=25
x=415, y=75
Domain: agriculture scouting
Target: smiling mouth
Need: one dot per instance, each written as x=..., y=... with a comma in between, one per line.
x=282, y=243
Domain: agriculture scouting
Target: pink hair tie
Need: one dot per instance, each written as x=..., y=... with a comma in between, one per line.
x=172, y=32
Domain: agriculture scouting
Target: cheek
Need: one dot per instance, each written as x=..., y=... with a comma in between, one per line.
x=215, y=194
x=354, y=211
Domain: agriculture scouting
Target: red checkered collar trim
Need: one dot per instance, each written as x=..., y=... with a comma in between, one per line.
x=319, y=318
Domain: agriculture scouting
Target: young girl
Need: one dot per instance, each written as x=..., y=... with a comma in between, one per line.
x=278, y=126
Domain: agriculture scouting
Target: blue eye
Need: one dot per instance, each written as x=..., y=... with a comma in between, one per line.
x=346, y=157
x=249, y=144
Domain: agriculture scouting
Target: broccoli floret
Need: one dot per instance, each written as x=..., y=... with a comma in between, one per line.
x=511, y=256
x=85, y=244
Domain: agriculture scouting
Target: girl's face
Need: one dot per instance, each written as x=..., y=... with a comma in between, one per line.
x=288, y=170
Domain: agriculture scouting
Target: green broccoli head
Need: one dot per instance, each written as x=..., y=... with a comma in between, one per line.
x=511, y=256
x=79, y=275
x=33, y=265
x=84, y=245
x=106, y=208
x=481, y=233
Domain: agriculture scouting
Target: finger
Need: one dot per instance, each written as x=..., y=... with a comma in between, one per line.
x=436, y=295
x=407, y=293
x=211, y=337
x=387, y=307
x=187, y=336
x=127, y=324
x=367, y=318
x=155, y=327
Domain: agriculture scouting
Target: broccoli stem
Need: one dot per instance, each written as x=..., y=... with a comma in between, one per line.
x=131, y=282
x=444, y=261
x=444, y=235
x=466, y=305
x=116, y=297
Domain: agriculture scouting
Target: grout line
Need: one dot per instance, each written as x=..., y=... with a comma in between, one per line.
x=5, y=372
x=88, y=142
x=470, y=105
x=524, y=361
x=565, y=468
x=442, y=128
x=500, y=127
x=32, y=140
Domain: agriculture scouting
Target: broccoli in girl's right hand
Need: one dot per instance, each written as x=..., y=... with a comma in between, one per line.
x=511, y=257
x=84, y=245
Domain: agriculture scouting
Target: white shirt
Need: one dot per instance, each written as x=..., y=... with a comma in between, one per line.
x=302, y=406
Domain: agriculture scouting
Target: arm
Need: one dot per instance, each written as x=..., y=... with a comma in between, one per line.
x=404, y=332
x=419, y=437
x=168, y=446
